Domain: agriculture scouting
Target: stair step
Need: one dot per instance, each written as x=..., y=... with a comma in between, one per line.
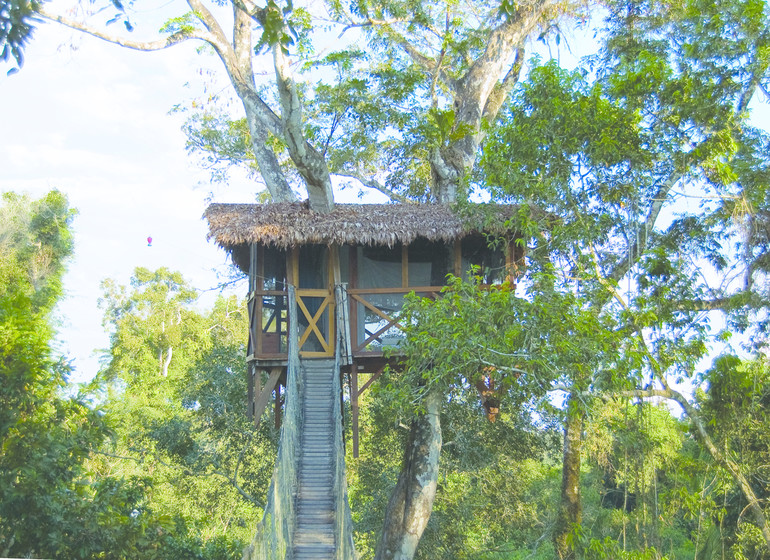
x=314, y=533
x=314, y=537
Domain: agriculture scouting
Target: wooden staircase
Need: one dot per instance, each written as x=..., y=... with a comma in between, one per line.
x=315, y=529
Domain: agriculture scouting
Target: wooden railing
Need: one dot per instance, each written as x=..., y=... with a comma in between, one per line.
x=268, y=324
x=372, y=342
x=379, y=308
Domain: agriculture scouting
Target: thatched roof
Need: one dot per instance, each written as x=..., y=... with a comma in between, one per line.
x=289, y=224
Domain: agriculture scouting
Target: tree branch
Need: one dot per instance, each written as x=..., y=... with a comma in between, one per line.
x=759, y=67
x=501, y=90
x=637, y=248
x=724, y=461
x=692, y=414
x=376, y=185
x=428, y=64
x=310, y=163
x=159, y=44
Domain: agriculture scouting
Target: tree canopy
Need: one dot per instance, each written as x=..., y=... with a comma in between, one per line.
x=50, y=504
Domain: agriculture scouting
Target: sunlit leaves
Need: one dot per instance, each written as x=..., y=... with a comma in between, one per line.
x=221, y=142
x=184, y=24
x=50, y=505
x=189, y=426
x=276, y=30
x=16, y=27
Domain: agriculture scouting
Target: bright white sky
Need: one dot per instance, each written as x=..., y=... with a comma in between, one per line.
x=94, y=123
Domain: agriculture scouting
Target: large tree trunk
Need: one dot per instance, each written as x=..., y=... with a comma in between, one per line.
x=411, y=503
x=570, y=507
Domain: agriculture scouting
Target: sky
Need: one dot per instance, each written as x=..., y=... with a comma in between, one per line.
x=92, y=120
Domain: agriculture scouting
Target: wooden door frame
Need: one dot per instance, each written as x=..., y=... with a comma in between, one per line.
x=326, y=305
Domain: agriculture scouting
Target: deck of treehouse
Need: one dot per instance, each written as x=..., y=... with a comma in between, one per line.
x=325, y=296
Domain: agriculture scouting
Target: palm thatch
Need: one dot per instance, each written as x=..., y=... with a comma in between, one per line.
x=287, y=225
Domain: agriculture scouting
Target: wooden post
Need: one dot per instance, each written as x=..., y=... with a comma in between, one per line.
x=278, y=405
x=258, y=286
x=257, y=385
x=354, y=407
x=343, y=323
x=262, y=394
x=335, y=272
x=250, y=369
x=404, y=266
x=353, y=318
x=292, y=266
x=253, y=260
x=458, y=258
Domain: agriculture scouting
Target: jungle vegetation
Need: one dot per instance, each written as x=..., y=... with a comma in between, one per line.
x=627, y=368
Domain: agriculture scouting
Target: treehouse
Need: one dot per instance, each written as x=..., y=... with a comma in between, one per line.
x=351, y=269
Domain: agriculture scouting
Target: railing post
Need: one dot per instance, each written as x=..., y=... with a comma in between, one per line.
x=343, y=324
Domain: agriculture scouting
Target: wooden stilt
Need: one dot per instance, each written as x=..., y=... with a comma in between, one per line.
x=250, y=372
x=278, y=406
x=354, y=407
x=263, y=394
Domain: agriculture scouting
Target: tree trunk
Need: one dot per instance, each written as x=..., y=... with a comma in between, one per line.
x=570, y=508
x=411, y=503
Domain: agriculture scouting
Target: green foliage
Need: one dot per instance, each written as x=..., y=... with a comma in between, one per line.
x=184, y=24
x=735, y=406
x=177, y=403
x=277, y=26
x=51, y=505
x=166, y=467
x=16, y=27
x=496, y=484
x=221, y=142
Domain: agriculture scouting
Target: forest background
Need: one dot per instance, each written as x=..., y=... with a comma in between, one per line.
x=153, y=457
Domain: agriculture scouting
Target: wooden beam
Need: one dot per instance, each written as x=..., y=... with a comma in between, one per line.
x=292, y=266
x=342, y=309
x=264, y=395
x=277, y=406
x=253, y=274
x=417, y=289
x=354, y=407
x=257, y=321
x=371, y=380
x=353, y=304
x=335, y=272
x=313, y=321
x=250, y=371
x=458, y=258
x=379, y=313
x=404, y=266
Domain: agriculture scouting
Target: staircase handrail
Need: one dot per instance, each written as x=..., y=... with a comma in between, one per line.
x=275, y=532
x=345, y=549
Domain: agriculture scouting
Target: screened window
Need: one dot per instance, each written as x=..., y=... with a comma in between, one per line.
x=429, y=263
x=379, y=267
x=489, y=260
x=273, y=268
